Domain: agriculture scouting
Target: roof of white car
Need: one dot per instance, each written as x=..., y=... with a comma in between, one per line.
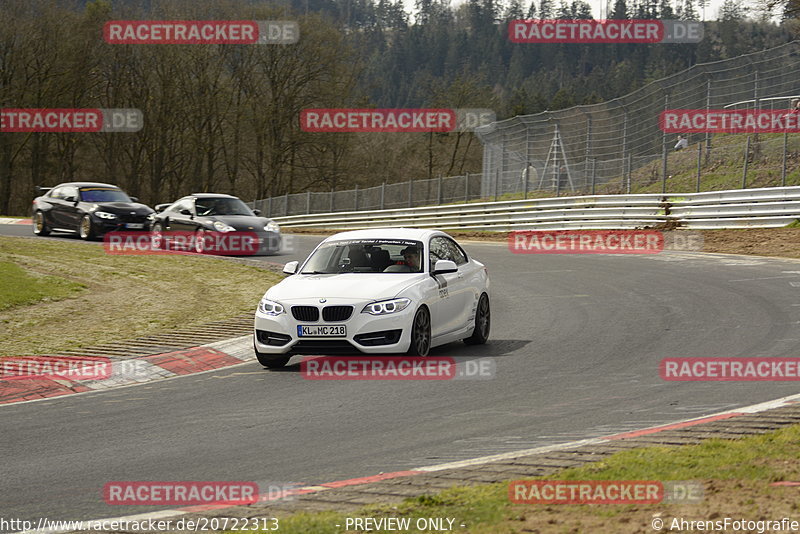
x=417, y=234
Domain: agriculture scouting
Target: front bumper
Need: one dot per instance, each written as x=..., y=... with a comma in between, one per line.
x=368, y=334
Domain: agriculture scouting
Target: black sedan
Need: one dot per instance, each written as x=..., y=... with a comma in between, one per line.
x=88, y=209
x=217, y=223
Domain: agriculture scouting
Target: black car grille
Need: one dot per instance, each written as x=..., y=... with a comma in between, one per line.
x=305, y=313
x=127, y=218
x=337, y=313
x=272, y=338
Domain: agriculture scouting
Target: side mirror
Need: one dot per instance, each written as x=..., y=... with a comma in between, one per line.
x=291, y=267
x=161, y=207
x=184, y=211
x=444, y=267
x=257, y=212
x=70, y=199
x=135, y=199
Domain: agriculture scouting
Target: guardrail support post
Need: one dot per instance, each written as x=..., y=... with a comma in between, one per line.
x=383, y=195
x=746, y=157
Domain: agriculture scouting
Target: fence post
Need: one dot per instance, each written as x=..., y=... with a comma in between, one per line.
x=783, y=169
x=308, y=202
x=664, y=152
x=383, y=195
x=594, y=164
x=624, y=139
x=466, y=188
x=708, y=107
x=332, y=195
x=630, y=173
x=269, y=208
x=496, y=182
x=410, y=193
x=356, y=193
x=439, y=191
x=526, y=174
x=746, y=157
x=286, y=203
x=699, y=163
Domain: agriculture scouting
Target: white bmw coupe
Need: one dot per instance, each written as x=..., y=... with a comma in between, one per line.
x=382, y=291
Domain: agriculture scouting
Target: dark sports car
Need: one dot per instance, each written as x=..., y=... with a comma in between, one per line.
x=206, y=217
x=88, y=209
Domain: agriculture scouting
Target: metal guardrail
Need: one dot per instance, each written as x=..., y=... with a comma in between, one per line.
x=753, y=208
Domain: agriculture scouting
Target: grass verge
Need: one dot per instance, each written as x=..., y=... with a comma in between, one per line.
x=736, y=476
x=19, y=287
x=63, y=296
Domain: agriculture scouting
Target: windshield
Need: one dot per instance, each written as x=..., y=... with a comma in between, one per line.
x=366, y=256
x=103, y=194
x=208, y=207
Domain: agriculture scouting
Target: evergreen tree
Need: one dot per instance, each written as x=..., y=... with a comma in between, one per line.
x=620, y=10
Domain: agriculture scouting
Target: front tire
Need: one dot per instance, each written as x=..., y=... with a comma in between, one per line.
x=483, y=323
x=157, y=236
x=86, y=229
x=420, y=333
x=40, y=224
x=272, y=361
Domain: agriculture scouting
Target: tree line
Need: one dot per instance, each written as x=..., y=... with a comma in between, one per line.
x=224, y=118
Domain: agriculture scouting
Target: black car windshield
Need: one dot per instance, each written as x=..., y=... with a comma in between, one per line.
x=366, y=256
x=208, y=207
x=103, y=194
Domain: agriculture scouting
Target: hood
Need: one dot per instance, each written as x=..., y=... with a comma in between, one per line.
x=123, y=208
x=356, y=286
x=242, y=223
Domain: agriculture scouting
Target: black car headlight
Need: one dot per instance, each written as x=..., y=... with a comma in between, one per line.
x=105, y=215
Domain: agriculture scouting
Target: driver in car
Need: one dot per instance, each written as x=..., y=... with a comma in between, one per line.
x=411, y=256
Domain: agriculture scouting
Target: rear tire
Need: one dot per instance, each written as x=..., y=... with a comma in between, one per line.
x=483, y=322
x=40, y=224
x=272, y=361
x=420, y=333
x=200, y=241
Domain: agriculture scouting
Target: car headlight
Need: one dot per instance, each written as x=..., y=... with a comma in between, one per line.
x=272, y=226
x=270, y=307
x=222, y=227
x=105, y=215
x=385, y=307
x=151, y=217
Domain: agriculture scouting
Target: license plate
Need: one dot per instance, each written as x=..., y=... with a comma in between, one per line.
x=135, y=226
x=321, y=331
